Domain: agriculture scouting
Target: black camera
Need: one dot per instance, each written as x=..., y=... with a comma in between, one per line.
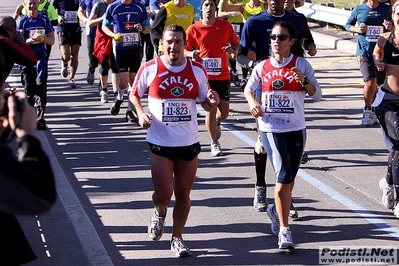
x=19, y=106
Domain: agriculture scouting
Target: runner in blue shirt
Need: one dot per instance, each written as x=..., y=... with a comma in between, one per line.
x=124, y=20
x=38, y=32
x=84, y=11
x=369, y=20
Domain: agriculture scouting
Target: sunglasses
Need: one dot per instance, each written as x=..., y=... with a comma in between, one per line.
x=281, y=37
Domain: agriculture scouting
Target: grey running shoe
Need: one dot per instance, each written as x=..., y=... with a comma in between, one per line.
x=156, y=227
x=373, y=118
x=90, y=77
x=285, y=240
x=64, y=70
x=179, y=248
x=272, y=213
x=293, y=214
x=216, y=149
x=116, y=106
x=366, y=118
x=260, y=203
x=218, y=131
x=104, y=96
x=387, y=194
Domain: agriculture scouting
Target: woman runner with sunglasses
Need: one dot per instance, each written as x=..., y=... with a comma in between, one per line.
x=286, y=78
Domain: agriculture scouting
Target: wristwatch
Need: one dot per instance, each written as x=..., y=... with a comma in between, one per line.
x=305, y=82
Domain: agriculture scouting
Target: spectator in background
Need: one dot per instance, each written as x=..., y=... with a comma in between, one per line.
x=16, y=51
x=26, y=182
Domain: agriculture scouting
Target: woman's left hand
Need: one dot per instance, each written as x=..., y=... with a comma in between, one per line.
x=298, y=75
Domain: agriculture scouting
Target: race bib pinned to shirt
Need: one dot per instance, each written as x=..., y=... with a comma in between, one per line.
x=176, y=112
x=71, y=17
x=213, y=66
x=130, y=39
x=373, y=32
x=278, y=104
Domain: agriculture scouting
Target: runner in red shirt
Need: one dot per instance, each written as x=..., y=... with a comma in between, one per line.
x=209, y=42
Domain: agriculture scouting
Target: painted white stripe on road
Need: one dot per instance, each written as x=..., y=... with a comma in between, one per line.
x=85, y=230
x=370, y=217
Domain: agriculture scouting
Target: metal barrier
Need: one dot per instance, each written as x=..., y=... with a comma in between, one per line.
x=325, y=14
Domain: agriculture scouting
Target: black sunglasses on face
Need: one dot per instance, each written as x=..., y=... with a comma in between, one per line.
x=281, y=37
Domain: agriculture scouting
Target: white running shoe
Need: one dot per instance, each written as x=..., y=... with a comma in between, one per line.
x=216, y=149
x=387, y=194
x=156, y=227
x=104, y=96
x=285, y=239
x=366, y=119
x=179, y=248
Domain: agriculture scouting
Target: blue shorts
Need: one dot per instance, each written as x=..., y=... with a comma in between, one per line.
x=285, y=153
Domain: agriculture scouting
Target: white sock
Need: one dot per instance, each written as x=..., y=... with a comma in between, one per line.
x=282, y=228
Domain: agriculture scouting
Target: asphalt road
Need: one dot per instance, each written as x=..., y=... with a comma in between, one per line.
x=102, y=168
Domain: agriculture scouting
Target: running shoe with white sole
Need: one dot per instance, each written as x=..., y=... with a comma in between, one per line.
x=64, y=70
x=293, y=214
x=260, y=203
x=218, y=131
x=387, y=194
x=285, y=240
x=178, y=246
x=104, y=96
x=366, y=118
x=243, y=83
x=156, y=227
x=272, y=213
x=216, y=149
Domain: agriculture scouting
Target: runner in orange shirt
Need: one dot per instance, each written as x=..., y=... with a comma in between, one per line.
x=208, y=41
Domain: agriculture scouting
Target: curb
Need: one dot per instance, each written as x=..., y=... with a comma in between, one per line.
x=340, y=44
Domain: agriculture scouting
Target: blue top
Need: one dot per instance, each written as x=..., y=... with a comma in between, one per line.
x=123, y=17
x=88, y=6
x=197, y=9
x=373, y=18
x=257, y=31
x=30, y=25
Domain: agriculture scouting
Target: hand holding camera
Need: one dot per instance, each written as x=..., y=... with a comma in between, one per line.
x=20, y=115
